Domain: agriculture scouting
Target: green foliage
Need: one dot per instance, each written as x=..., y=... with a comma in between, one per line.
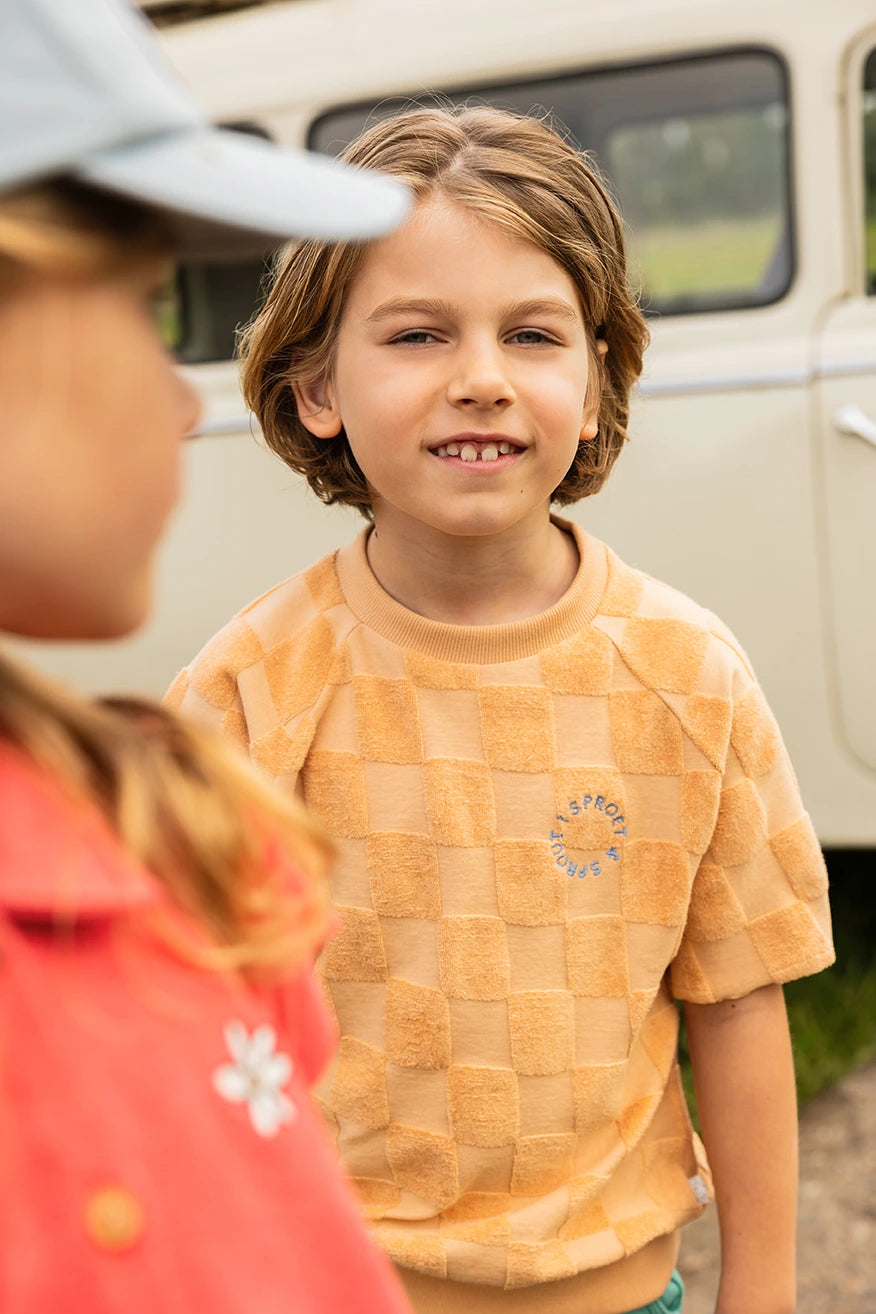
x=168, y=313
x=833, y=1015
x=701, y=166
x=869, y=133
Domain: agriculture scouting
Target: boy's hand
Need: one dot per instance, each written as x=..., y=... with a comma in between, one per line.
x=744, y=1075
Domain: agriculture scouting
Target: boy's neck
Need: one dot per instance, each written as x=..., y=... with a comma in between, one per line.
x=489, y=580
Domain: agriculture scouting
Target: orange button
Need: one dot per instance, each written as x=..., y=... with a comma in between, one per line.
x=113, y=1218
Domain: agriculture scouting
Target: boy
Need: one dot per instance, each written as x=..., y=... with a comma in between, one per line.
x=557, y=794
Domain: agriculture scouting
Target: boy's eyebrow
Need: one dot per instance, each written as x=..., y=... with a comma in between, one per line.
x=543, y=306
x=410, y=306
x=435, y=308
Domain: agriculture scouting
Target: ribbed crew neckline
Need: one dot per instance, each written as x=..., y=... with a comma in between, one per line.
x=475, y=644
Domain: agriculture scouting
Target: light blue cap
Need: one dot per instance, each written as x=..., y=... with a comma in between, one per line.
x=85, y=92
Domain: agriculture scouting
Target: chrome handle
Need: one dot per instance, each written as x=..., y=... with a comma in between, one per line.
x=851, y=420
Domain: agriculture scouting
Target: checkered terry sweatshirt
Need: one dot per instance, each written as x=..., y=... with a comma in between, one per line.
x=546, y=831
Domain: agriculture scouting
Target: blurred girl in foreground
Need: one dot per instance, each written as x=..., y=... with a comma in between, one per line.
x=158, y=1147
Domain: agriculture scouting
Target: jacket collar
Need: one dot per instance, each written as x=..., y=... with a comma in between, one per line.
x=59, y=859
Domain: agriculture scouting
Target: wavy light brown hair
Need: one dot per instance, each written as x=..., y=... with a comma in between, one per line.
x=516, y=172
x=244, y=862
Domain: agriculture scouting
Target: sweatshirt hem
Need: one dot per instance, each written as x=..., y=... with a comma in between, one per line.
x=614, y=1289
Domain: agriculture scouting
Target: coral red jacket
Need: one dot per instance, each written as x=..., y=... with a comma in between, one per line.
x=159, y=1152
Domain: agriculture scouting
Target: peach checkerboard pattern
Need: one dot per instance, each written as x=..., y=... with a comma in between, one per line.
x=545, y=830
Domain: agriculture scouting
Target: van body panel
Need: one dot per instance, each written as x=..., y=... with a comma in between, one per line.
x=847, y=368
x=319, y=53
x=736, y=486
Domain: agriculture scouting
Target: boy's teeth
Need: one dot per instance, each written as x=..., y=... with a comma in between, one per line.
x=469, y=452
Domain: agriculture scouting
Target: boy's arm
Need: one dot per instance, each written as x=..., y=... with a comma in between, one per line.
x=744, y=1075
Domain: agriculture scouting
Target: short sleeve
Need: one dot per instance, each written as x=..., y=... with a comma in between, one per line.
x=195, y=698
x=758, y=911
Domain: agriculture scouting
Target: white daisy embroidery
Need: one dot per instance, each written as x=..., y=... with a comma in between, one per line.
x=256, y=1077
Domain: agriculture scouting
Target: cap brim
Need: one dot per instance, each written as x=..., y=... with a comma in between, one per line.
x=230, y=195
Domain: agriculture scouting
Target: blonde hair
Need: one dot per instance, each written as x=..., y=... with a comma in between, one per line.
x=246, y=863
x=69, y=230
x=516, y=172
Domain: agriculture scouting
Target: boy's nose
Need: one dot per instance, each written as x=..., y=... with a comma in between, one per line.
x=480, y=381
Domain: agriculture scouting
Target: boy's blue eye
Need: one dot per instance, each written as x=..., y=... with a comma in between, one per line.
x=415, y=336
x=531, y=337
x=525, y=337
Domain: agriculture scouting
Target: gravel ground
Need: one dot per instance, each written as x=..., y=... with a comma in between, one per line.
x=837, y=1213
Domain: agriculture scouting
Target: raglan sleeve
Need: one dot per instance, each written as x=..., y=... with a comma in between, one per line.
x=758, y=911
x=207, y=691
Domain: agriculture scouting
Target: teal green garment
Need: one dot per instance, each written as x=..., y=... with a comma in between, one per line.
x=671, y=1300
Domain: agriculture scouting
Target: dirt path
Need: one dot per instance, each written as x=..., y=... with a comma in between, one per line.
x=837, y=1231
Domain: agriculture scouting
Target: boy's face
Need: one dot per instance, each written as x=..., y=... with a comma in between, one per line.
x=461, y=377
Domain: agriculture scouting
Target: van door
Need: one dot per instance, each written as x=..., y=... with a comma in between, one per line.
x=847, y=406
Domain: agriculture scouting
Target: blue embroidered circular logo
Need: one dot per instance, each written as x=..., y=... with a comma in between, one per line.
x=570, y=855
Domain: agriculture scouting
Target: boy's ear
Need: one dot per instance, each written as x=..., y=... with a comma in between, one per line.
x=590, y=422
x=317, y=410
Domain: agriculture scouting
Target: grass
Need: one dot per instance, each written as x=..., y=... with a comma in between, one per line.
x=720, y=256
x=716, y=256
x=833, y=1015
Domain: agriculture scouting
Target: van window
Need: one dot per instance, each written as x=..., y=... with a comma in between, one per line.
x=207, y=301
x=697, y=151
x=870, y=168
x=213, y=300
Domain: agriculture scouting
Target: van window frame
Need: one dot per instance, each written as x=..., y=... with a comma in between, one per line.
x=867, y=215
x=194, y=316
x=481, y=91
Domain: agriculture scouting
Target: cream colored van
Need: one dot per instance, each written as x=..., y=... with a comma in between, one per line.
x=740, y=137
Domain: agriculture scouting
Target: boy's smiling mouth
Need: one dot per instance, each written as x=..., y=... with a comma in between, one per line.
x=470, y=448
